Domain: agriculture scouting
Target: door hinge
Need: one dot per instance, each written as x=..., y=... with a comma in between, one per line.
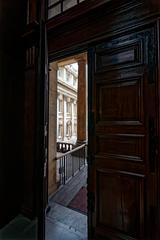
x=45, y=130
x=91, y=123
x=45, y=161
x=46, y=154
x=91, y=159
x=45, y=169
x=91, y=201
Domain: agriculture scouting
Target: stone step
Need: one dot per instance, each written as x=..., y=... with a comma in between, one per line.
x=68, y=217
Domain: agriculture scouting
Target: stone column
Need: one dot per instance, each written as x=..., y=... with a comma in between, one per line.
x=52, y=186
x=58, y=96
x=63, y=118
x=72, y=119
x=81, y=101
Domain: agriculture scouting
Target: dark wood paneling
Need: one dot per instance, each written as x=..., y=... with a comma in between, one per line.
x=29, y=189
x=125, y=88
x=119, y=55
x=121, y=103
x=123, y=141
x=126, y=212
x=127, y=56
x=127, y=101
x=115, y=147
x=113, y=17
x=32, y=11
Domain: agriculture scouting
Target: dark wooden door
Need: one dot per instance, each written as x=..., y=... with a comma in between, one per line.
x=42, y=130
x=122, y=136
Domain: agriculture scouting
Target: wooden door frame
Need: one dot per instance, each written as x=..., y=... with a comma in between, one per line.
x=55, y=53
x=85, y=47
x=63, y=55
x=42, y=99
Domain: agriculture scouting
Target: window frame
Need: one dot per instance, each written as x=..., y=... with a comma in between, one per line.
x=61, y=3
x=77, y=11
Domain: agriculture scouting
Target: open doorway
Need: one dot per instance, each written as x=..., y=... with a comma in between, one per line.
x=66, y=217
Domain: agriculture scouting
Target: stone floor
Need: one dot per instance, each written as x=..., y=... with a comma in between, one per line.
x=62, y=223
x=20, y=228
x=66, y=193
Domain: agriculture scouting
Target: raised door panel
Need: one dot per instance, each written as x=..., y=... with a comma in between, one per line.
x=116, y=56
x=128, y=50
x=114, y=147
x=120, y=203
x=120, y=100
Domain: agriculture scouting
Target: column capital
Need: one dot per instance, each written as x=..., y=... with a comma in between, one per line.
x=81, y=58
x=53, y=66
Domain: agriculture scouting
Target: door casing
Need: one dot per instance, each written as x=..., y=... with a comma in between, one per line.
x=86, y=44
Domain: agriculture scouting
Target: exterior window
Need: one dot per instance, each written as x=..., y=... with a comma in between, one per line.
x=60, y=72
x=68, y=76
x=75, y=109
x=60, y=131
x=75, y=129
x=56, y=7
x=69, y=129
x=68, y=107
x=67, y=102
x=74, y=81
x=52, y=12
x=68, y=4
x=51, y=2
x=60, y=106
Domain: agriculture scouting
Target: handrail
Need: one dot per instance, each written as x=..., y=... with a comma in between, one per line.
x=71, y=151
x=69, y=163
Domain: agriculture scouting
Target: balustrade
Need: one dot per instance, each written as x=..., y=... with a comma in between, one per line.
x=70, y=162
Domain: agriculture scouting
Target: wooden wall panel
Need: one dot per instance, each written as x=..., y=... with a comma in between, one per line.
x=32, y=11
x=63, y=31
x=109, y=21
x=124, y=208
x=124, y=152
x=29, y=157
x=126, y=108
x=114, y=146
x=114, y=56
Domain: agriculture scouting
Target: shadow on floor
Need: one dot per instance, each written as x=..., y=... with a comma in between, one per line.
x=63, y=223
x=20, y=228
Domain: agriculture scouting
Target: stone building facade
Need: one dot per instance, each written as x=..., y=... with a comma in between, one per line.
x=67, y=87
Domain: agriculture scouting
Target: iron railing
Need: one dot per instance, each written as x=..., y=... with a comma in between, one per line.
x=70, y=163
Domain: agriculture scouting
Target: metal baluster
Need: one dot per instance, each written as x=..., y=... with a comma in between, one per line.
x=79, y=159
x=63, y=171
x=84, y=157
x=66, y=174
x=60, y=172
x=72, y=166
